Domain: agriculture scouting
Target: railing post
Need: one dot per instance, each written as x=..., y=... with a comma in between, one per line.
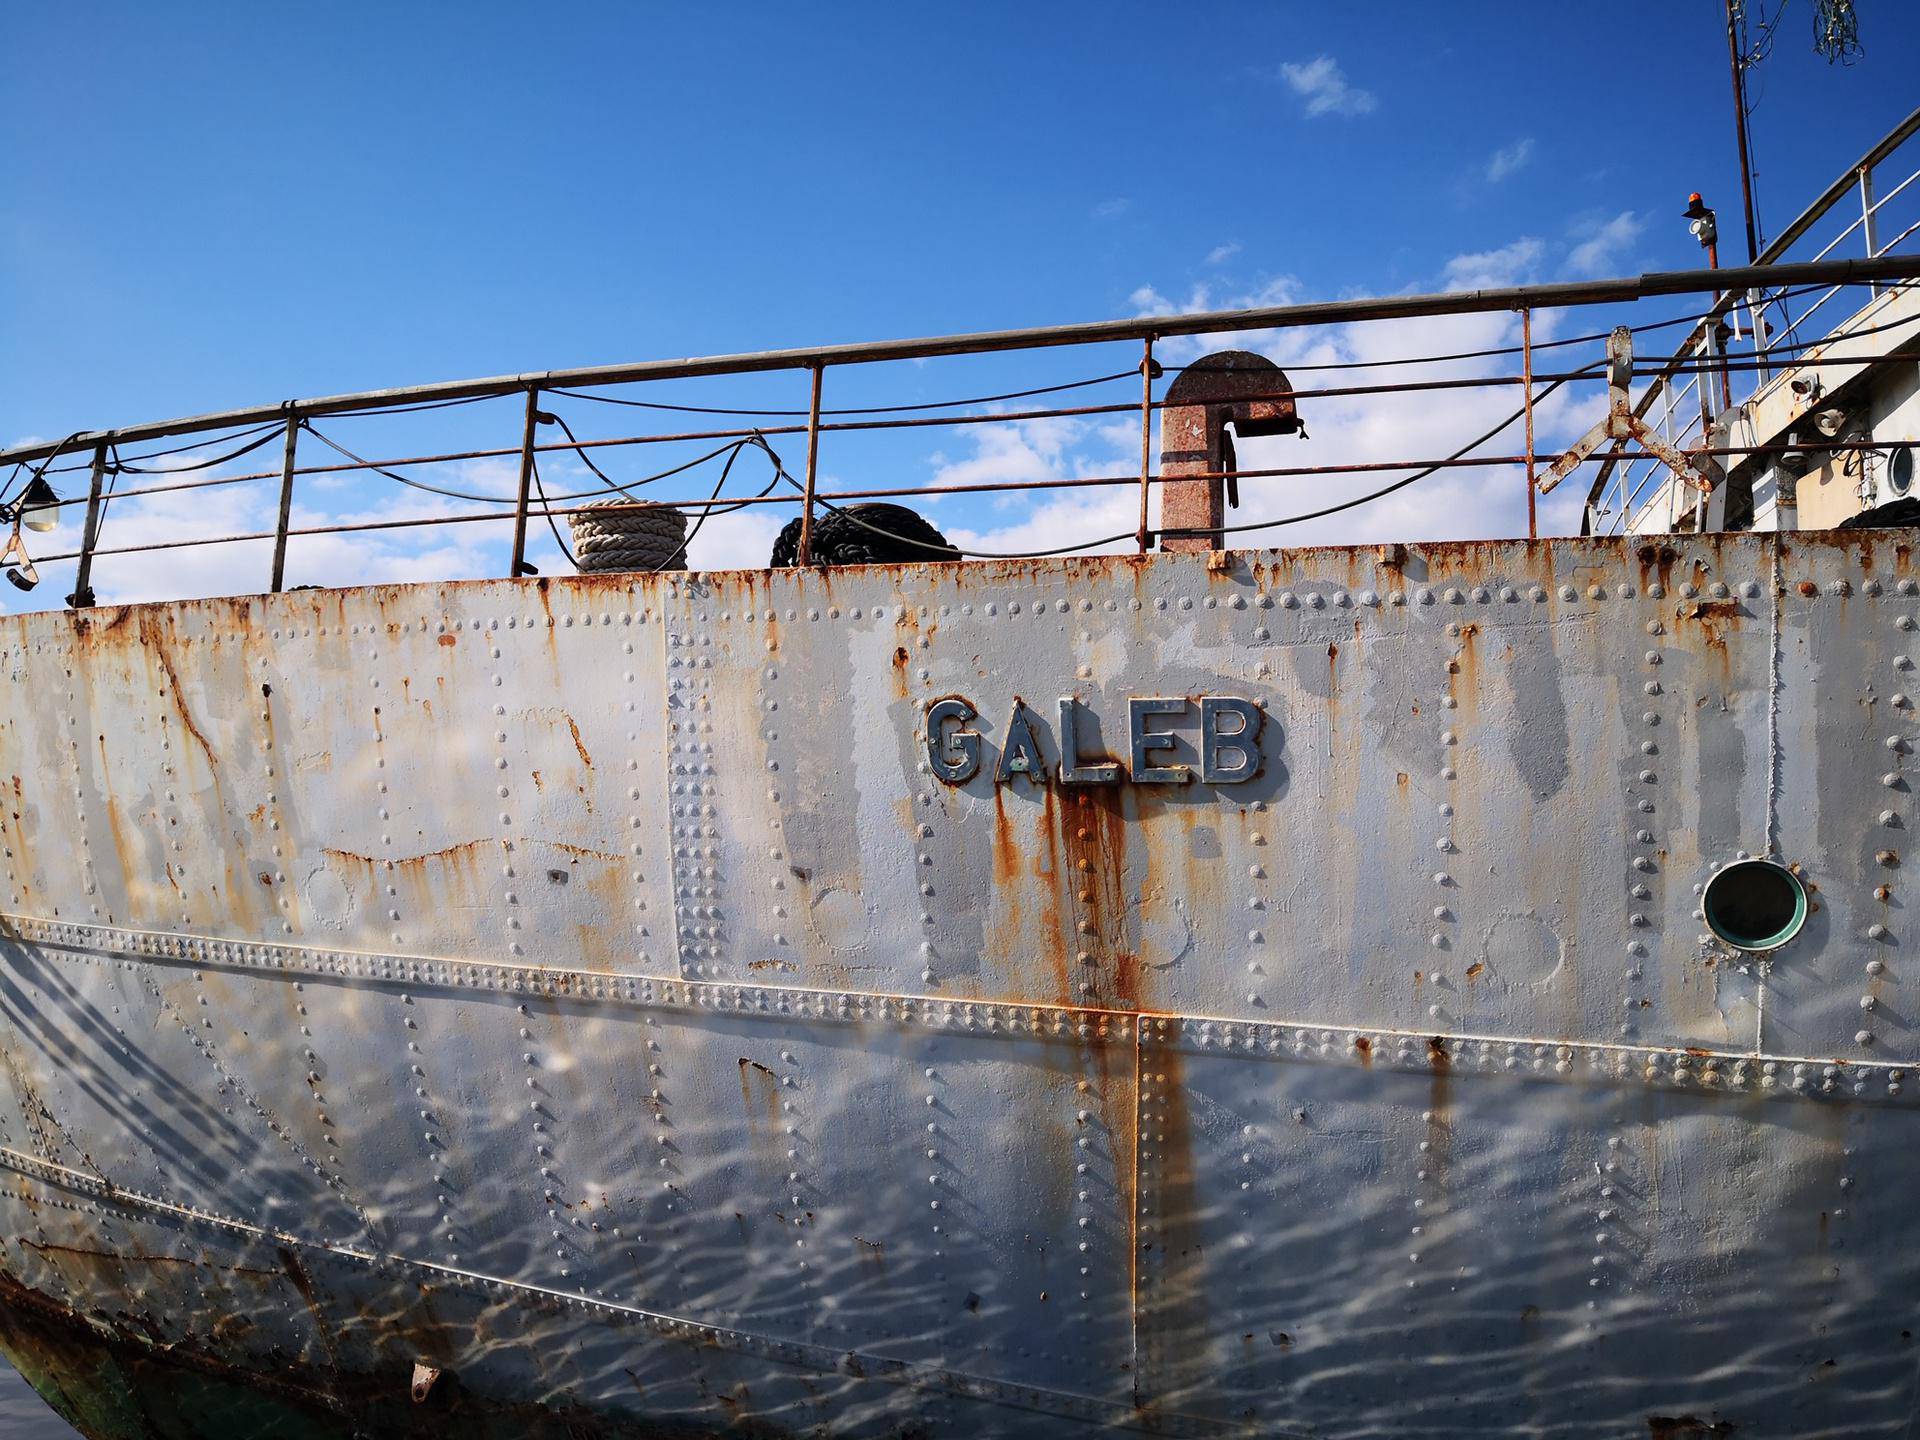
x=1142, y=535
x=1756, y=322
x=286, y=503
x=1869, y=226
x=526, y=481
x=82, y=596
x=805, y=555
x=1526, y=383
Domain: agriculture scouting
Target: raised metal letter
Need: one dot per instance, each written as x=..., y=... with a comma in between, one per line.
x=954, y=768
x=1243, y=741
x=1144, y=741
x=1020, y=752
x=1072, y=772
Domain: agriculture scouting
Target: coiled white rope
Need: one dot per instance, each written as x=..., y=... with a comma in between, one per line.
x=629, y=535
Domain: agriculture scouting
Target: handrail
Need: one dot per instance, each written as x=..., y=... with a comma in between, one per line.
x=1841, y=187
x=1332, y=312
x=1854, y=179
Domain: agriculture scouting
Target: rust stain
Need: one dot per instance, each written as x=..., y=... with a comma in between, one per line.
x=119, y=1259
x=1006, y=850
x=873, y=1253
x=459, y=849
x=1093, y=832
x=303, y=1284
x=1333, y=687
x=447, y=640
x=154, y=642
x=578, y=744
x=1714, y=619
x=755, y=1076
x=1656, y=564
x=1465, y=665
x=124, y=847
x=1437, y=1150
x=1175, y=1302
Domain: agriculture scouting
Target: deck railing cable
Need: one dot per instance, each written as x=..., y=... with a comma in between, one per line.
x=1752, y=309
x=221, y=439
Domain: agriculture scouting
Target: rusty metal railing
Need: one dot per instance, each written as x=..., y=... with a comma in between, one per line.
x=1685, y=392
x=254, y=428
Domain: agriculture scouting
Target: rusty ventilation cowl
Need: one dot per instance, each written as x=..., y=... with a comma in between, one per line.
x=1229, y=385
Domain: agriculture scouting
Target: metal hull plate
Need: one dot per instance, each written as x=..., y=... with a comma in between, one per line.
x=588, y=989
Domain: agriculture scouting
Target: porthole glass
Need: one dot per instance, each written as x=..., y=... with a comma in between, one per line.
x=1755, y=905
x=1900, y=469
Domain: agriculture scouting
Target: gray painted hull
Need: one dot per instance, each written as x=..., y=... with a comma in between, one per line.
x=588, y=990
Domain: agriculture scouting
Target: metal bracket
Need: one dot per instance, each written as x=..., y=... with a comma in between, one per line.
x=1622, y=424
x=22, y=574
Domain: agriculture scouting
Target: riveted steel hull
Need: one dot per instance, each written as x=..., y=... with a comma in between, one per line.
x=590, y=990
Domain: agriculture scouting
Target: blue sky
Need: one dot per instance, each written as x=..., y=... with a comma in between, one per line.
x=219, y=205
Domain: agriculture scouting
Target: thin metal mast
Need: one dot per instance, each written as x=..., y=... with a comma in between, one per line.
x=1740, y=126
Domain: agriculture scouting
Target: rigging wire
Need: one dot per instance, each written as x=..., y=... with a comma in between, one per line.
x=1385, y=489
x=573, y=440
x=861, y=410
x=206, y=464
x=718, y=485
x=533, y=471
x=266, y=430
x=39, y=471
x=625, y=489
x=271, y=428
x=1357, y=500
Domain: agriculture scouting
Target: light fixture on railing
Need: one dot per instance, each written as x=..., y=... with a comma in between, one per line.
x=1704, y=227
x=40, y=506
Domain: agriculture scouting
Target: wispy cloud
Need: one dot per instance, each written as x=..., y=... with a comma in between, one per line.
x=740, y=541
x=1509, y=158
x=1324, y=86
x=1220, y=254
x=1508, y=265
x=1374, y=428
x=1024, y=450
x=1108, y=209
x=1149, y=301
x=1601, y=245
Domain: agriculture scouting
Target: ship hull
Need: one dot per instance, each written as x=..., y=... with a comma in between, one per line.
x=640, y=1005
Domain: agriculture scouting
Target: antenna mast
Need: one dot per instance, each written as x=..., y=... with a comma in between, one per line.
x=1740, y=123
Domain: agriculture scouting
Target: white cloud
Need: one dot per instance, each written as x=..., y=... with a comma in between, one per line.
x=1508, y=265
x=1178, y=349
x=741, y=540
x=1601, y=244
x=1108, y=209
x=1349, y=429
x=1149, y=301
x=245, y=566
x=1021, y=450
x=1325, y=88
x=1220, y=254
x=1378, y=429
x=1510, y=158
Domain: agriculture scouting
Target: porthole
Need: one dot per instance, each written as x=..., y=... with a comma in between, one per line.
x=1755, y=904
x=1900, y=469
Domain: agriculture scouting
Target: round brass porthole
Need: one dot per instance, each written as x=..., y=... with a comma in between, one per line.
x=1755, y=904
